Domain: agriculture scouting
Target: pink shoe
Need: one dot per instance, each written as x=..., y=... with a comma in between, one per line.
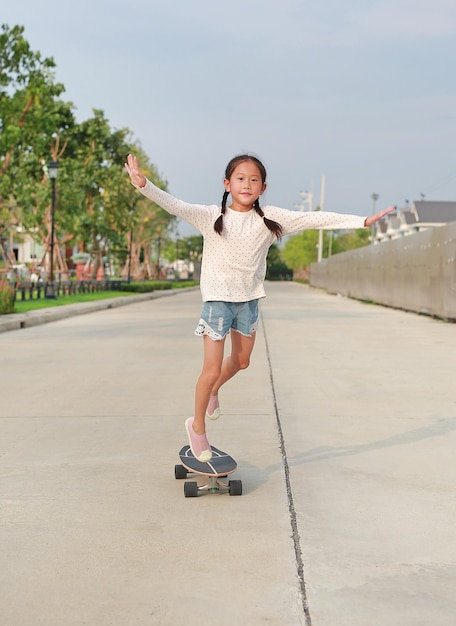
x=213, y=408
x=199, y=444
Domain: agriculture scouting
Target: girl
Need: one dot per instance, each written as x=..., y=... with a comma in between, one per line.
x=236, y=242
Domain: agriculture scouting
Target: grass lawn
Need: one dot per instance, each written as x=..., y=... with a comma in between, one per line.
x=22, y=306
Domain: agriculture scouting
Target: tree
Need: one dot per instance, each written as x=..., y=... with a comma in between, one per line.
x=148, y=226
x=95, y=160
x=97, y=208
x=350, y=240
x=277, y=269
x=31, y=117
x=300, y=250
x=26, y=88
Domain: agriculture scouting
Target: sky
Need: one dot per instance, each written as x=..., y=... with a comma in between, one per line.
x=360, y=92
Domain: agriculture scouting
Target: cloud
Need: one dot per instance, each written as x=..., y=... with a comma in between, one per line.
x=274, y=29
x=360, y=90
x=294, y=24
x=406, y=18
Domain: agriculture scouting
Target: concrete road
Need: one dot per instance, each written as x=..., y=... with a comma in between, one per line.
x=344, y=432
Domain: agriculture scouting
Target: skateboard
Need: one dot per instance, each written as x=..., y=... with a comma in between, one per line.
x=216, y=470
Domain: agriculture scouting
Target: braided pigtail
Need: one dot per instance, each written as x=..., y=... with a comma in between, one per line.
x=274, y=227
x=218, y=224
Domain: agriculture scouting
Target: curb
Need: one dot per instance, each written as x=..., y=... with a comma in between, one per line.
x=16, y=321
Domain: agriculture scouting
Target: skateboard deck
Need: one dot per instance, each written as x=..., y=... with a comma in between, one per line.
x=216, y=470
x=221, y=463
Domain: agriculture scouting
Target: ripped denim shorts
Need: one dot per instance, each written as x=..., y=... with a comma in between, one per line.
x=218, y=318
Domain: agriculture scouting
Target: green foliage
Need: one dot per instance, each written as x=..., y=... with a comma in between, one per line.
x=155, y=285
x=148, y=224
x=97, y=208
x=145, y=286
x=24, y=306
x=277, y=269
x=184, y=248
x=95, y=186
x=300, y=250
x=32, y=120
x=6, y=298
x=30, y=111
x=182, y=284
x=344, y=241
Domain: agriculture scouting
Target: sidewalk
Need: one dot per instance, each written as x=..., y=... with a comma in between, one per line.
x=361, y=490
x=16, y=321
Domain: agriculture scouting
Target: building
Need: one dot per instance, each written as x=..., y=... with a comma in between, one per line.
x=408, y=220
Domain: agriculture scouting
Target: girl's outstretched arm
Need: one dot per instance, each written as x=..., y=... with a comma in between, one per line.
x=378, y=216
x=134, y=172
x=200, y=216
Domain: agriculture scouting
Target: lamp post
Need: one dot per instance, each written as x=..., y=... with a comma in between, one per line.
x=322, y=208
x=130, y=245
x=158, y=256
x=53, y=168
x=374, y=197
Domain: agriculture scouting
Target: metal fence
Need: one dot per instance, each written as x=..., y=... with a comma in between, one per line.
x=415, y=273
x=28, y=290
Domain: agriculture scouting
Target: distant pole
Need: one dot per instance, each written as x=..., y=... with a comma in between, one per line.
x=129, y=254
x=306, y=203
x=330, y=244
x=158, y=256
x=322, y=208
x=53, y=169
x=374, y=198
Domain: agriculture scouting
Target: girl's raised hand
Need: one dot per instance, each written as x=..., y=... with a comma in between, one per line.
x=378, y=216
x=134, y=172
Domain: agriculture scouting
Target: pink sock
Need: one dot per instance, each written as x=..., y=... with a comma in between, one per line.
x=213, y=408
x=212, y=404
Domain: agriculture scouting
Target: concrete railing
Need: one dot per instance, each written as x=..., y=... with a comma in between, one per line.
x=416, y=273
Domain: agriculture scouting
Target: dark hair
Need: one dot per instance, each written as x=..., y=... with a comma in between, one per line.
x=274, y=227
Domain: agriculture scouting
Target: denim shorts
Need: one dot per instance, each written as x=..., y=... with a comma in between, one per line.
x=218, y=318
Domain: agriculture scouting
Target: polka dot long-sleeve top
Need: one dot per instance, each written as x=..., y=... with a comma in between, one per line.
x=233, y=267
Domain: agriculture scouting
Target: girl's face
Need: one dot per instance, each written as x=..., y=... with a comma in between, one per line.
x=245, y=186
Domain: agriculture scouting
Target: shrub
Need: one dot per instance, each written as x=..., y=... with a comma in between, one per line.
x=7, y=298
x=155, y=285
x=185, y=283
x=145, y=287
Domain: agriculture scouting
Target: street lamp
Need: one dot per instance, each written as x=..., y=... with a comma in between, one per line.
x=130, y=246
x=374, y=197
x=53, y=169
x=158, y=256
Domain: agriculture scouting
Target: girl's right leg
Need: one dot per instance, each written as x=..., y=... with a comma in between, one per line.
x=196, y=427
x=212, y=365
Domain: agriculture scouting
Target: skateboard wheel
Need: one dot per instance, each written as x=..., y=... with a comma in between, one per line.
x=191, y=489
x=235, y=487
x=180, y=471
